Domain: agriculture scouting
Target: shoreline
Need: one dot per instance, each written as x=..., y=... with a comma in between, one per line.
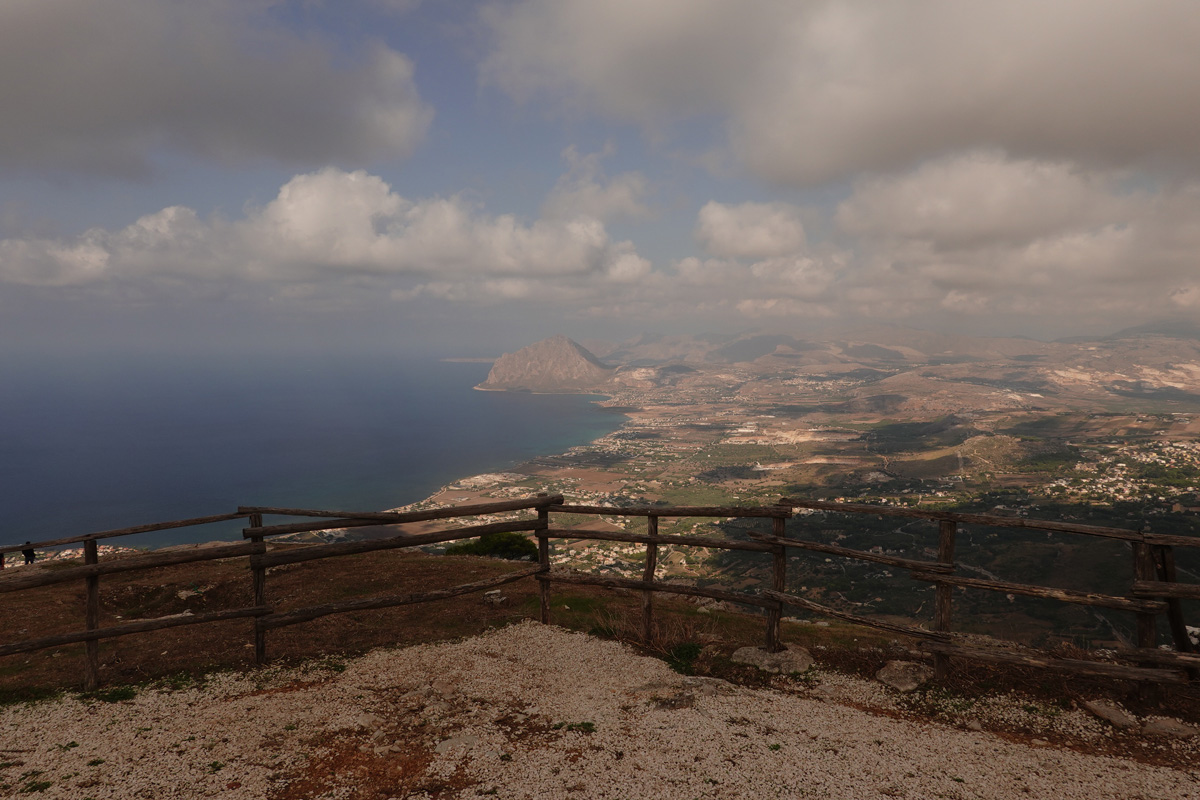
x=472, y=488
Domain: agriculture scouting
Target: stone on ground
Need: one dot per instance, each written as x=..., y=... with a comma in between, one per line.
x=1169, y=727
x=790, y=659
x=904, y=676
x=1110, y=713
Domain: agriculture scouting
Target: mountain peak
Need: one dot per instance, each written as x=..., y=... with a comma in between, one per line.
x=557, y=364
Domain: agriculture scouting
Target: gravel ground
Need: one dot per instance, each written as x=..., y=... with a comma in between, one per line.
x=533, y=711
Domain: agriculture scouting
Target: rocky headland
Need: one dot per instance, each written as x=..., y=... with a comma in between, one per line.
x=552, y=365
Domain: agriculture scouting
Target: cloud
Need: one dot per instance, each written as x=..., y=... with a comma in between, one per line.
x=109, y=87
x=330, y=227
x=821, y=90
x=987, y=235
x=763, y=264
x=633, y=60
x=1039, y=245
x=585, y=191
x=985, y=198
x=750, y=230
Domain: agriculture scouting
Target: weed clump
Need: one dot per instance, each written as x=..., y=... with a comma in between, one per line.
x=116, y=694
x=682, y=657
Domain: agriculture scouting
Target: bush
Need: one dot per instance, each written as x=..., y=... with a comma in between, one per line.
x=512, y=546
x=682, y=657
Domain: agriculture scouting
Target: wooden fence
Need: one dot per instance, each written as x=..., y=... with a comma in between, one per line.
x=1154, y=588
x=261, y=559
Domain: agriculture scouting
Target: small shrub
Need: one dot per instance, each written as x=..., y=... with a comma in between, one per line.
x=510, y=545
x=682, y=657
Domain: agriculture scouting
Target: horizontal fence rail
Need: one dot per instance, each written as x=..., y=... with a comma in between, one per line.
x=90, y=537
x=1154, y=588
x=128, y=564
x=1153, y=591
x=350, y=519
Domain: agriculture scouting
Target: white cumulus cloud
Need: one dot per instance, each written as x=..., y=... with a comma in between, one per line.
x=750, y=230
x=333, y=225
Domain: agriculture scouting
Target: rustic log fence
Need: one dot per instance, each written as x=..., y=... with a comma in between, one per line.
x=1154, y=589
x=265, y=616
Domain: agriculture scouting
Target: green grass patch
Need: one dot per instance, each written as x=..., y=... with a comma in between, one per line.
x=115, y=694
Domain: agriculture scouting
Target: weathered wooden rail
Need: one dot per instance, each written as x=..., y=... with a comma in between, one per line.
x=1154, y=588
x=265, y=617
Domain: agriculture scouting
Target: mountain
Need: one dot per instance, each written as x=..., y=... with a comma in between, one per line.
x=557, y=364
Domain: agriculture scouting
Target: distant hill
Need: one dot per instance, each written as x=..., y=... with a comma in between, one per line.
x=557, y=364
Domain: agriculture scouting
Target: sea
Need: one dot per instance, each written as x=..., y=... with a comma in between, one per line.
x=88, y=445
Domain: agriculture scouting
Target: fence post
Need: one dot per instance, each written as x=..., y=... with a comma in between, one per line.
x=91, y=678
x=544, y=561
x=1147, y=625
x=1144, y=570
x=947, y=530
x=259, y=579
x=1164, y=561
x=648, y=576
x=778, y=583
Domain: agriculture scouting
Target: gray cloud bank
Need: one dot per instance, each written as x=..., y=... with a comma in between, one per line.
x=818, y=90
x=107, y=87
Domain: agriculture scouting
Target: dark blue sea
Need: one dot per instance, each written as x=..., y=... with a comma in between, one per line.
x=91, y=445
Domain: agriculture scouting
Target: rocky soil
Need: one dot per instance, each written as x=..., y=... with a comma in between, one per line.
x=532, y=711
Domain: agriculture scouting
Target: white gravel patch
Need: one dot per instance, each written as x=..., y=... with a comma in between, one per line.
x=529, y=711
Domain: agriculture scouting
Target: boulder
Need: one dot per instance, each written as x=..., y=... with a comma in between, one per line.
x=1169, y=727
x=789, y=660
x=1110, y=713
x=904, y=676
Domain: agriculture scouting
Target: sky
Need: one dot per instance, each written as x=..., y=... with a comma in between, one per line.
x=186, y=176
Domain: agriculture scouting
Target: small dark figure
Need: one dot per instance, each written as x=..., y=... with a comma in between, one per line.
x=29, y=554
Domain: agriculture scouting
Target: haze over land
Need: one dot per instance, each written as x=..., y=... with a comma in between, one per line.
x=461, y=178
x=1102, y=431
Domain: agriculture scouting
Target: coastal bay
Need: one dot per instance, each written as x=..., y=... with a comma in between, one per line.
x=86, y=447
